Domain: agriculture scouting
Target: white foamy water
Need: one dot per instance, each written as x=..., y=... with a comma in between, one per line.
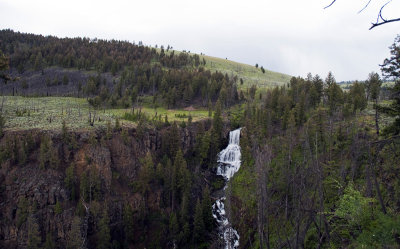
x=229, y=158
x=228, y=165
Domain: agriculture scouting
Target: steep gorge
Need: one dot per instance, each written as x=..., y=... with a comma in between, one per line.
x=33, y=190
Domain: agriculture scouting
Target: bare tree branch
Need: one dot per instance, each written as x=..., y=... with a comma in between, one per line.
x=384, y=22
x=365, y=7
x=380, y=11
x=330, y=4
x=380, y=20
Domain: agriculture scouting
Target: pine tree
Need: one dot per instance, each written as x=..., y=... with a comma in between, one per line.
x=58, y=208
x=74, y=237
x=357, y=95
x=44, y=148
x=174, y=184
x=38, y=62
x=117, y=125
x=209, y=108
x=252, y=91
x=300, y=110
x=391, y=69
x=49, y=243
x=207, y=210
x=146, y=174
x=223, y=95
x=185, y=206
x=185, y=233
x=128, y=223
x=103, y=234
x=374, y=84
x=64, y=132
x=53, y=158
x=319, y=86
x=216, y=132
x=182, y=173
x=217, y=120
x=330, y=79
x=84, y=187
x=174, y=141
x=335, y=97
x=198, y=224
x=3, y=67
x=204, y=147
x=70, y=181
x=173, y=227
x=22, y=211
x=34, y=239
x=313, y=97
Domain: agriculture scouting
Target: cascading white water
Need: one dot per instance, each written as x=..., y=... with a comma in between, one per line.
x=228, y=165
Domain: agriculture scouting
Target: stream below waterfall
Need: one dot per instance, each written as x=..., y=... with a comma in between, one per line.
x=228, y=165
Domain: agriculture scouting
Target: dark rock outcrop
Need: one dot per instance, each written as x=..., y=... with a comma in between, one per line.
x=117, y=160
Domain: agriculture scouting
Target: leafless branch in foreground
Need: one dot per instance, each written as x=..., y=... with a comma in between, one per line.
x=380, y=19
x=330, y=4
x=365, y=7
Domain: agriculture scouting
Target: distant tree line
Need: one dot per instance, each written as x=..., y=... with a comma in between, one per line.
x=172, y=79
x=35, y=52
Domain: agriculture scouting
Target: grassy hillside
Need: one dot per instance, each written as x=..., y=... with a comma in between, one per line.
x=250, y=74
x=111, y=75
x=48, y=113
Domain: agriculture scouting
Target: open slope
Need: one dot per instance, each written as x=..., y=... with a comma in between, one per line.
x=250, y=74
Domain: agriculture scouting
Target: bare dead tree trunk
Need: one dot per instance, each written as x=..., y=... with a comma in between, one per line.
x=321, y=194
x=379, y=194
x=330, y=137
x=263, y=159
x=376, y=117
x=91, y=121
x=378, y=190
x=368, y=187
x=2, y=103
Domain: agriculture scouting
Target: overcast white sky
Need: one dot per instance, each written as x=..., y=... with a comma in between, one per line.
x=289, y=36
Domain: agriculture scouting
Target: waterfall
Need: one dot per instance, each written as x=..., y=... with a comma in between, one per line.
x=228, y=165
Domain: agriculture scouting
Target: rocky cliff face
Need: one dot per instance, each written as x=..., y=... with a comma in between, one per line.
x=29, y=190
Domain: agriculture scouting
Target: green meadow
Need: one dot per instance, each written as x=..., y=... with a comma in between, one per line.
x=48, y=113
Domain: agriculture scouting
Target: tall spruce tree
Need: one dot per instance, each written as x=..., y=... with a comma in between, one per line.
x=391, y=70
x=74, y=236
x=198, y=224
x=146, y=174
x=173, y=228
x=103, y=234
x=128, y=223
x=70, y=181
x=207, y=210
x=216, y=132
x=3, y=66
x=358, y=98
x=374, y=84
